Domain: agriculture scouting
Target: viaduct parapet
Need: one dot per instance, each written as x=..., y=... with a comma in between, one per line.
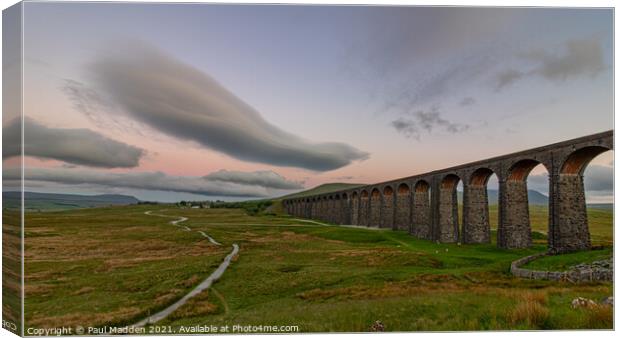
x=426, y=205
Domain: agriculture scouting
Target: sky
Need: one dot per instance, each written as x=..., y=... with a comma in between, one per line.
x=202, y=101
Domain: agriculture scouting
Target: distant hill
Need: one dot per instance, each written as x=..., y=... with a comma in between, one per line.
x=35, y=201
x=604, y=206
x=322, y=189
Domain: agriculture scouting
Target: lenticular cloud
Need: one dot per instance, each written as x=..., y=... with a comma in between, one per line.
x=184, y=102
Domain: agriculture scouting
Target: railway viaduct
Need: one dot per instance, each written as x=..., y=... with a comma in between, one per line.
x=426, y=205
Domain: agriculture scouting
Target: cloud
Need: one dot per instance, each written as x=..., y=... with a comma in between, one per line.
x=267, y=178
x=75, y=146
x=420, y=89
x=580, y=57
x=506, y=78
x=599, y=178
x=467, y=101
x=157, y=181
x=184, y=102
x=406, y=127
x=83, y=98
x=426, y=121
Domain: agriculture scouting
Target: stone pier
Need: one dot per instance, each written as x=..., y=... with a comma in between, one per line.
x=476, y=223
x=402, y=214
x=387, y=208
x=375, y=209
x=448, y=223
x=421, y=218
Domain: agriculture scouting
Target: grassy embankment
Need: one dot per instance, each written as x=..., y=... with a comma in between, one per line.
x=114, y=265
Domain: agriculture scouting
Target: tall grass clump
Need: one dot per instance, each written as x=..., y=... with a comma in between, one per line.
x=531, y=311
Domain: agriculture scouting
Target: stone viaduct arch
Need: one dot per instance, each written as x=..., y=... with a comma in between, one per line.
x=426, y=205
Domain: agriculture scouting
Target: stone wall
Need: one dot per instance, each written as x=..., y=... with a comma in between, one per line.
x=574, y=276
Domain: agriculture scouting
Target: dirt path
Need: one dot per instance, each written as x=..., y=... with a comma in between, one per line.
x=205, y=284
x=209, y=238
x=309, y=221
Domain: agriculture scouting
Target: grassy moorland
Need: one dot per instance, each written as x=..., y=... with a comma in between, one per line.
x=116, y=265
x=11, y=270
x=108, y=265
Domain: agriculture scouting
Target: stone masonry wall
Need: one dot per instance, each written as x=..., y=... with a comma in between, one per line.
x=364, y=211
x=572, y=229
x=375, y=211
x=421, y=218
x=355, y=209
x=323, y=210
x=387, y=212
x=345, y=211
x=448, y=216
x=403, y=212
x=476, y=226
x=516, y=228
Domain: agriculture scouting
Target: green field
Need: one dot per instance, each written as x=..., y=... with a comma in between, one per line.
x=115, y=266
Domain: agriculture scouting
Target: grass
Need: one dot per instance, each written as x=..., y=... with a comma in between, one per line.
x=108, y=265
x=115, y=265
